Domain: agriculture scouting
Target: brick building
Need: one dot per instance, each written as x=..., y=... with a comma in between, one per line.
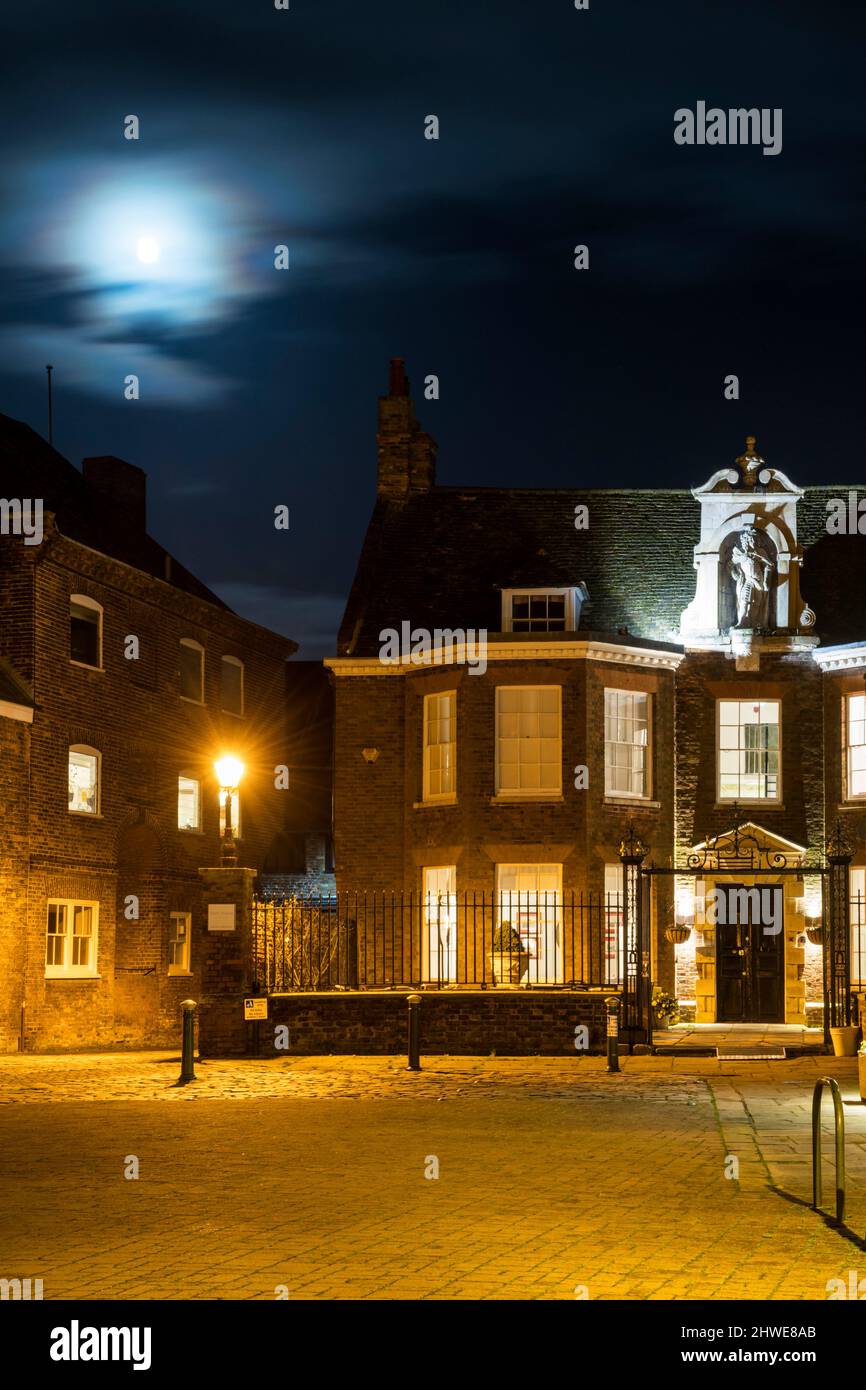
x=522, y=674
x=121, y=678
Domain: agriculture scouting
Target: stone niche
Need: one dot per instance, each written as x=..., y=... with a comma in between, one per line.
x=762, y=502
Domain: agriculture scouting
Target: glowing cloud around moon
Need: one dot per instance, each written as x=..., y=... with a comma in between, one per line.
x=147, y=250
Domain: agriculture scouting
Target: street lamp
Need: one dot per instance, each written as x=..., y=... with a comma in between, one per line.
x=229, y=771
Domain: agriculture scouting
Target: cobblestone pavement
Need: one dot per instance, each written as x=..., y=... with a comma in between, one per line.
x=553, y=1177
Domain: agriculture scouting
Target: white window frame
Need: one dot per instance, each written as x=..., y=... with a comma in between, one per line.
x=741, y=796
x=66, y=970
x=86, y=751
x=572, y=610
x=528, y=793
x=857, y=917
x=85, y=601
x=233, y=661
x=189, y=829
x=439, y=938
x=614, y=918
x=184, y=967
x=511, y=903
x=847, y=744
x=646, y=794
x=191, y=643
x=440, y=797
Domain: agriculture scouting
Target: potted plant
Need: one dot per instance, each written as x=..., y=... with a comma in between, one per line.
x=844, y=1040
x=666, y=1010
x=508, y=955
x=861, y=1070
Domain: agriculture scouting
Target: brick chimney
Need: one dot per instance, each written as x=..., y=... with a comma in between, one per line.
x=120, y=486
x=407, y=456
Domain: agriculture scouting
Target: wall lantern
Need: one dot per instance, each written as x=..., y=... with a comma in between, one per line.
x=370, y=754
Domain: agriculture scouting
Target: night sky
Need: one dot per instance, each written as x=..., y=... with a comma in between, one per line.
x=306, y=127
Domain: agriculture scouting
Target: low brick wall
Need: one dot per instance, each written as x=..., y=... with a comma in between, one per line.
x=460, y=1023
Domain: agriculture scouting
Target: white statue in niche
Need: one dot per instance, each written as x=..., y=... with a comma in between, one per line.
x=752, y=572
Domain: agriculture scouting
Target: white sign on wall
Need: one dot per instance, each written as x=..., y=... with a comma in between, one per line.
x=221, y=917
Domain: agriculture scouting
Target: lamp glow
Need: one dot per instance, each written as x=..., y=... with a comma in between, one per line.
x=229, y=771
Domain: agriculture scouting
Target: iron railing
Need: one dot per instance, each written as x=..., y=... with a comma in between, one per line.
x=476, y=940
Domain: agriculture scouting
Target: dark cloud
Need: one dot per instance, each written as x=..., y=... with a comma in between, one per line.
x=557, y=129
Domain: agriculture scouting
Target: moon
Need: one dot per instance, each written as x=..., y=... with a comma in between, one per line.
x=147, y=250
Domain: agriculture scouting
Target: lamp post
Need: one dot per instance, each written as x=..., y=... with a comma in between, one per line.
x=229, y=771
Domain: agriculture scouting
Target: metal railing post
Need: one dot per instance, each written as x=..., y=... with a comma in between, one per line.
x=839, y=1122
x=612, y=1006
x=414, y=1002
x=187, y=1068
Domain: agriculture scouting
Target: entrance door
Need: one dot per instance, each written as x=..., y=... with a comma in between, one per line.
x=750, y=954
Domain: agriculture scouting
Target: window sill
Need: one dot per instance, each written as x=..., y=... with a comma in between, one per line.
x=188, y=700
x=509, y=799
x=641, y=801
x=74, y=979
x=85, y=815
x=232, y=713
x=86, y=666
x=855, y=804
x=432, y=805
x=189, y=830
x=745, y=804
x=179, y=974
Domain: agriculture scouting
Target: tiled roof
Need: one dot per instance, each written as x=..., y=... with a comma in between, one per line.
x=441, y=559
x=31, y=468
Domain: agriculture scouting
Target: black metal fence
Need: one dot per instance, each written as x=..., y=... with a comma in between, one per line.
x=378, y=940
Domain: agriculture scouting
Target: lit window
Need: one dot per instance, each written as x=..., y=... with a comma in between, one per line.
x=232, y=686
x=858, y=927
x=626, y=743
x=528, y=740
x=440, y=917
x=749, y=750
x=84, y=780
x=179, y=932
x=191, y=670
x=613, y=916
x=440, y=746
x=528, y=901
x=856, y=745
x=85, y=631
x=236, y=814
x=70, y=947
x=188, y=803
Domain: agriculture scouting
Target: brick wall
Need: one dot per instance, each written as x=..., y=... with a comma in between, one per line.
x=460, y=1024
x=132, y=714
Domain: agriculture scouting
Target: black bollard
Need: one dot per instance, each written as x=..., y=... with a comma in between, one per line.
x=612, y=1005
x=414, y=1002
x=187, y=1068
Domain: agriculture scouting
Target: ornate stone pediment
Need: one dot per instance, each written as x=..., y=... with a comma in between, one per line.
x=748, y=559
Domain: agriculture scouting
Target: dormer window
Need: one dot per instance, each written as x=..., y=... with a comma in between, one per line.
x=542, y=610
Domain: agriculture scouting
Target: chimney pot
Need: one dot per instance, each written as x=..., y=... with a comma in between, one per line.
x=397, y=384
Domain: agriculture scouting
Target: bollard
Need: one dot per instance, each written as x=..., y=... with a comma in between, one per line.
x=187, y=1069
x=414, y=1002
x=612, y=1005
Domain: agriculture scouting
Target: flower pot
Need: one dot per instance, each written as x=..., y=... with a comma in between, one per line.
x=677, y=934
x=844, y=1041
x=815, y=935
x=508, y=968
x=861, y=1069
